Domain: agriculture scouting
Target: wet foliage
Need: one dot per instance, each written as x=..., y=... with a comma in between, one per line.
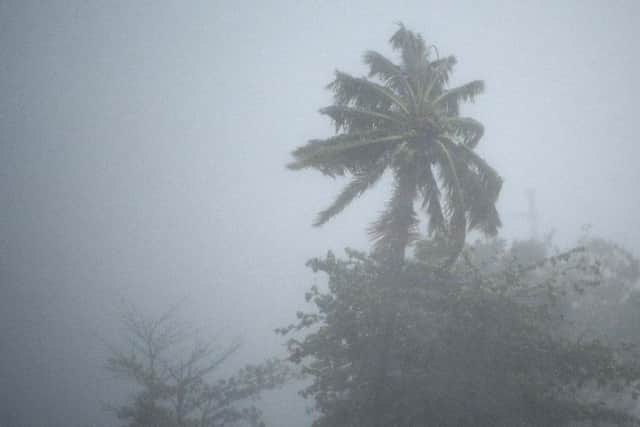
x=496, y=341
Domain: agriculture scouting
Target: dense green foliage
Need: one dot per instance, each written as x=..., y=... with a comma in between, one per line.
x=488, y=344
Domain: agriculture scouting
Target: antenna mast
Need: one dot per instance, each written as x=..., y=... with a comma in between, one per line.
x=532, y=214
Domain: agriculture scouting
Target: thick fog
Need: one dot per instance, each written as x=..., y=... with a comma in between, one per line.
x=143, y=149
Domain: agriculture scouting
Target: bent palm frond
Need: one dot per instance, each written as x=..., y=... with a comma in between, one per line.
x=391, y=75
x=360, y=183
x=353, y=119
x=430, y=193
x=469, y=129
x=451, y=99
x=364, y=93
x=455, y=201
x=395, y=228
x=331, y=150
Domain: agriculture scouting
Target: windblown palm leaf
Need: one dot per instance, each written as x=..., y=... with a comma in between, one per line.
x=404, y=118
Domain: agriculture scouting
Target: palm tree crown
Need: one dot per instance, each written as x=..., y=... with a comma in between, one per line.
x=404, y=118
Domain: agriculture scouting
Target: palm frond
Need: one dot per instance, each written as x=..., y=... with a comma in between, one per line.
x=360, y=183
x=481, y=186
x=482, y=214
x=389, y=74
x=437, y=77
x=432, y=82
x=353, y=119
x=489, y=176
x=469, y=129
x=396, y=226
x=452, y=98
x=364, y=93
x=342, y=153
x=412, y=47
x=430, y=193
x=455, y=200
x=442, y=68
x=415, y=58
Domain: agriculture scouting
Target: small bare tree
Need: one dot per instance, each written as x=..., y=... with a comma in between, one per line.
x=174, y=375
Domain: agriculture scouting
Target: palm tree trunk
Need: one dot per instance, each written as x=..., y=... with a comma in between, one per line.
x=400, y=222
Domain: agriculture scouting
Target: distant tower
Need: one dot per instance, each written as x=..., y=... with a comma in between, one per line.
x=532, y=214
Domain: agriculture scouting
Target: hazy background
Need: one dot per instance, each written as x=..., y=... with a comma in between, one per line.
x=142, y=152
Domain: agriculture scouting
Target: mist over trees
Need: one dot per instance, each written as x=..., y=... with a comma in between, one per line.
x=174, y=374
x=489, y=343
x=455, y=335
x=149, y=156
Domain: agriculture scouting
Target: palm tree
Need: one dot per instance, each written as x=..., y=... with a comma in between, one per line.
x=404, y=118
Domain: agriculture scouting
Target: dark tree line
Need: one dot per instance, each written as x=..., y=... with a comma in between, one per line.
x=498, y=345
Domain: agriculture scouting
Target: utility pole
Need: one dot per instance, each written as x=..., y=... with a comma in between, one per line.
x=531, y=215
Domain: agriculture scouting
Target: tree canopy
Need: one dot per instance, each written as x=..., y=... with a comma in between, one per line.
x=489, y=344
x=405, y=118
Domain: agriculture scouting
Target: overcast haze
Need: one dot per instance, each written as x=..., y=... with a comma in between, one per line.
x=143, y=144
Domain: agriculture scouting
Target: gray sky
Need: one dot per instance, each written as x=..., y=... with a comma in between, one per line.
x=142, y=152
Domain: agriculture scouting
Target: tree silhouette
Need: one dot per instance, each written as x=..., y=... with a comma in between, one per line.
x=405, y=119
